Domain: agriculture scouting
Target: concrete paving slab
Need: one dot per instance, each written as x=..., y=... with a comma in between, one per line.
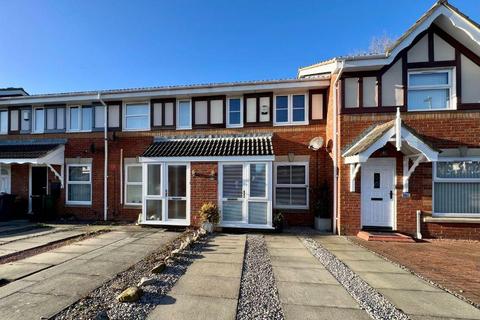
x=25, y=306
x=331, y=239
x=303, y=275
x=339, y=247
x=396, y=281
x=295, y=262
x=16, y=270
x=224, y=287
x=437, y=304
x=96, y=268
x=52, y=258
x=66, y=284
x=75, y=248
x=289, y=252
x=13, y=287
x=357, y=255
x=202, y=268
x=309, y=294
x=285, y=245
x=294, y=312
x=222, y=257
x=188, y=307
x=373, y=266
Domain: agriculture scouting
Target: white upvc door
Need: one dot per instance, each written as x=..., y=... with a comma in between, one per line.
x=378, y=192
x=245, y=194
x=166, y=193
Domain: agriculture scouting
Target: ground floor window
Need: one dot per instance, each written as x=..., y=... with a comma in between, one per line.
x=79, y=184
x=133, y=184
x=456, y=187
x=291, y=185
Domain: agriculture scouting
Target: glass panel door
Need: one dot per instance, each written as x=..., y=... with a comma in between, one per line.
x=154, y=198
x=257, y=194
x=177, y=192
x=232, y=193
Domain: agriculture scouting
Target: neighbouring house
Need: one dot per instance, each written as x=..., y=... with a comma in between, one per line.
x=400, y=132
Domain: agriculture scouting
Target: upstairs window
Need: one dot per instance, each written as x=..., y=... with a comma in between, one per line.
x=137, y=116
x=3, y=121
x=79, y=118
x=290, y=109
x=235, y=113
x=184, y=112
x=38, y=120
x=430, y=90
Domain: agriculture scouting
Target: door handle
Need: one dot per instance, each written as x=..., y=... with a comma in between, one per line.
x=391, y=194
x=243, y=194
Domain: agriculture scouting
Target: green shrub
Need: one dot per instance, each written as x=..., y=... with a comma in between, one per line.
x=209, y=213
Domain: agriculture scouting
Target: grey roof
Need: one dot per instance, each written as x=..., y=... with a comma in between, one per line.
x=211, y=146
x=374, y=133
x=25, y=151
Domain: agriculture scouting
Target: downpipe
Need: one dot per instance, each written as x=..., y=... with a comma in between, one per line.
x=105, y=167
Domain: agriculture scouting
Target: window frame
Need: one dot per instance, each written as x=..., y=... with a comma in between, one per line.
x=228, y=124
x=306, y=185
x=127, y=183
x=8, y=121
x=451, y=86
x=125, y=116
x=290, y=121
x=178, y=115
x=68, y=182
x=436, y=179
x=33, y=125
x=80, y=118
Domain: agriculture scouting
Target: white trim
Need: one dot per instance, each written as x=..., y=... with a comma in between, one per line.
x=89, y=182
x=80, y=118
x=8, y=121
x=354, y=168
x=125, y=104
x=206, y=159
x=188, y=127
x=34, y=120
x=9, y=177
x=277, y=185
x=127, y=183
x=241, y=112
x=452, y=180
x=407, y=172
x=290, y=121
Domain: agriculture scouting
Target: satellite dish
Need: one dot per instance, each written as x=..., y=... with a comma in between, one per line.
x=316, y=143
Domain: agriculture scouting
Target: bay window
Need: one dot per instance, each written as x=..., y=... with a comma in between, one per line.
x=133, y=184
x=79, y=184
x=456, y=188
x=430, y=90
x=137, y=116
x=290, y=109
x=291, y=185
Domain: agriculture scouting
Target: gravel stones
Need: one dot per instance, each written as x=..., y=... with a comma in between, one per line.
x=158, y=268
x=258, y=292
x=375, y=304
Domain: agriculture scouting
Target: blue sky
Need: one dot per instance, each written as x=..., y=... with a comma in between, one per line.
x=59, y=45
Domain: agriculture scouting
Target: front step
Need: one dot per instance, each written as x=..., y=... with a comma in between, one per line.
x=384, y=236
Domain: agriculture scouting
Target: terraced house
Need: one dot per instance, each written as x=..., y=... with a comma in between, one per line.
x=394, y=138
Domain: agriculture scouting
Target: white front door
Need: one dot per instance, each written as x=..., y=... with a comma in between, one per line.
x=378, y=192
x=166, y=198
x=245, y=194
x=5, y=175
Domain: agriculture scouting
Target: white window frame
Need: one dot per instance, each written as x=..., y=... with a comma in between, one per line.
x=240, y=125
x=124, y=115
x=178, y=127
x=290, y=121
x=8, y=120
x=127, y=183
x=463, y=180
x=451, y=86
x=306, y=185
x=89, y=202
x=80, y=118
x=34, y=120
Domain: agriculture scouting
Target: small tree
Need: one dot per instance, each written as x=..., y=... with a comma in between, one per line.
x=380, y=44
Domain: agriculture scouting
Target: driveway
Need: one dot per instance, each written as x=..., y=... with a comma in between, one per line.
x=44, y=284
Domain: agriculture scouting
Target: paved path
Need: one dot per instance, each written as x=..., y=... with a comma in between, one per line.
x=306, y=289
x=210, y=287
x=409, y=293
x=53, y=280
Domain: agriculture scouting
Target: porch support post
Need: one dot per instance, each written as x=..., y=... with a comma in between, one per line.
x=398, y=131
x=407, y=172
x=353, y=173
x=58, y=175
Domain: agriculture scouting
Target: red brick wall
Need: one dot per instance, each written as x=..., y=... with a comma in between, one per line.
x=203, y=187
x=440, y=128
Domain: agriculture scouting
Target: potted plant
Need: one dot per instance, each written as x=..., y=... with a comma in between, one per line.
x=278, y=221
x=209, y=215
x=321, y=206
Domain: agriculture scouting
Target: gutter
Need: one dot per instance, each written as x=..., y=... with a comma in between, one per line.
x=335, y=148
x=105, y=167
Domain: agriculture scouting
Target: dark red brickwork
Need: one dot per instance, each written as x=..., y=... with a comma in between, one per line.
x=203, y=188
x=439, y=128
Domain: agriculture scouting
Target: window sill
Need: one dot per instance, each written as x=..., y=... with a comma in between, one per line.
x=132, y=206
x=78, y=205
x=450, y=219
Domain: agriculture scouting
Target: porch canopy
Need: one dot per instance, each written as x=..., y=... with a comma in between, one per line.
x=37, y=152
x=415, y=148
x=211, y=148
